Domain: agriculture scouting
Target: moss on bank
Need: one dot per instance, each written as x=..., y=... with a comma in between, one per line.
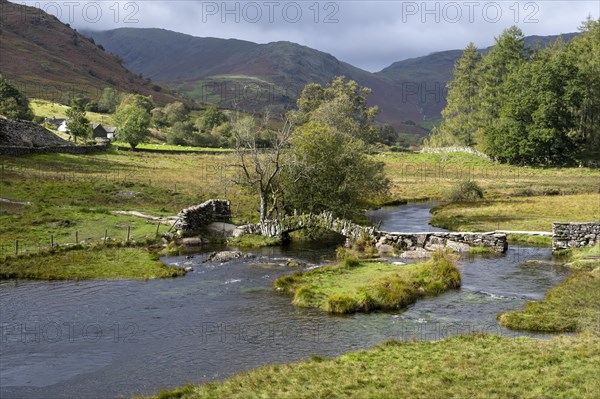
x=83, y=264
x=354, y=286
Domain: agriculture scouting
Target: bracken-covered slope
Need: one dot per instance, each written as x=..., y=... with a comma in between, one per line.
x=47, y=59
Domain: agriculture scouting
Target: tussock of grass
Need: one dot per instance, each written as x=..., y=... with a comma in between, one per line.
x=480, y=249
x=110, y=263
x=253, y=241
x=573, y=306
x=542, y=241
x=475, y=366
x=353, y=286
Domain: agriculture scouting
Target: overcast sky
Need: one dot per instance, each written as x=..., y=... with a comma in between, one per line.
x=367, y=34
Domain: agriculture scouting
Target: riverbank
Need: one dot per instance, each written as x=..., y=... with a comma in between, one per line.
x=573, y=306
x=353, y=286
x=89, y=263
x=473, y=366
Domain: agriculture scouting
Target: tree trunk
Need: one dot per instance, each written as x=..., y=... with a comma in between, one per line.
x=263, y=206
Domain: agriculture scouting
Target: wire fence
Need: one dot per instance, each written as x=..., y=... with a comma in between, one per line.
x=125, y=235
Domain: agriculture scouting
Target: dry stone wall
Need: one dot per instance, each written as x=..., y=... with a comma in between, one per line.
x=199, y=216
x=573, y=235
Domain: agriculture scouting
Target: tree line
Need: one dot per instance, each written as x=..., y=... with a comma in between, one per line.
x=527, y=106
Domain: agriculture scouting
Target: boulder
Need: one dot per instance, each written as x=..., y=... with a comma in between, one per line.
x=226, y=256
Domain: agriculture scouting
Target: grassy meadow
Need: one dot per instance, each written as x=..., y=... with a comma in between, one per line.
x=51, y=109
x=71, y=194
x=76, y=193
x=83, y=264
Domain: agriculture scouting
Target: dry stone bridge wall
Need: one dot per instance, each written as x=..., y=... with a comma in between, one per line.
x=460, y=242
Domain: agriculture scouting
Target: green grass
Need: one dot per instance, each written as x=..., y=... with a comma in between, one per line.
x=542, y=241
x=517, y=213
x=480, y=249
x=573, y=306
x=82, y=264
x=253, y=241
x=75, y=193
x=149, y=146
x=354, y=286
x=474, y=366
x=50, y=109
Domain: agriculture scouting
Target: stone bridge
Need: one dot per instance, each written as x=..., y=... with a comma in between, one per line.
x=429, y=241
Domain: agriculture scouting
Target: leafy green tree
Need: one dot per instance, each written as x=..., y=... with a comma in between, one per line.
x=181, y=133
x=341, y=105
x=77, y=122
x=144, y=102
x=109, y=100
x=461, y=121
x=133, y=121
x=169, y=114
x=211, y=118
x=327, y=170
x=583, y=91
x=507, y=55
x=13, y=104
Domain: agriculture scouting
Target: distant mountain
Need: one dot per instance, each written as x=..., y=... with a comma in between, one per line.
x=237, y=73
x=428, y=75
x=47, y=59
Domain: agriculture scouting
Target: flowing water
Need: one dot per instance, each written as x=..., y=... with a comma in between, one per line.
x=105, y=339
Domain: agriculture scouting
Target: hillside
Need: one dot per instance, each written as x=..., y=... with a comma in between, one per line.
x=237, y=73
x=47, y=59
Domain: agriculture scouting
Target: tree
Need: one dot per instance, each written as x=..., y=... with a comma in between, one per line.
x=507, y=55
x=210, y=119
x=133, y=121
x=13, y=104
x=260, y=169
x=144, y=102
x=341, y=105
x=461, y=122
x=327, y=170
x=109, y=100
x=583, y=91
x=77, y=122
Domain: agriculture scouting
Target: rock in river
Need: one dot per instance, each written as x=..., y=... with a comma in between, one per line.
x=226, y=256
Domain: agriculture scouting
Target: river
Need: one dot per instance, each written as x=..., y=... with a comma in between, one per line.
x=114, y=338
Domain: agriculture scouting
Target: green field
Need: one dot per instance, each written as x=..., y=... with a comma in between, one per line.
x=169, y=147
x=76, y=193
x=83, y=264
x=50, y=109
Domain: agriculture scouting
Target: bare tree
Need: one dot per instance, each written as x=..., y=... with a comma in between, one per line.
x=260, y=159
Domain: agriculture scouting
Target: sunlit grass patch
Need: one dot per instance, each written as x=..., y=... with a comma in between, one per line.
x=353, y=286
x=83, y=264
